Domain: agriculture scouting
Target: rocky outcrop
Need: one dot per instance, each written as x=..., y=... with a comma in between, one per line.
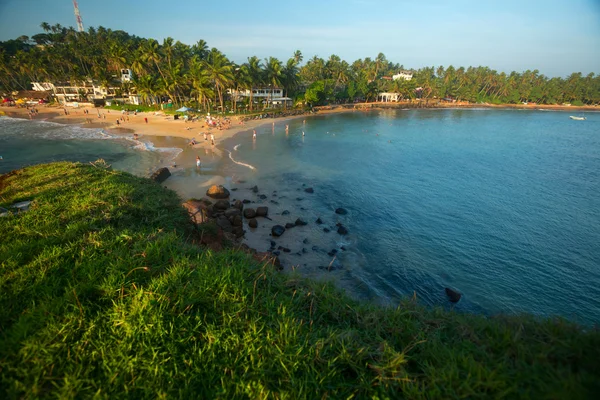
x=221, y=205
x=453, y=295
x=254, y=189
x=239, y=205
x=161, y=175
x=289, y=225
x=217, y=192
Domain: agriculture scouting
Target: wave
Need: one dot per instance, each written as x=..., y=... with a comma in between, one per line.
x=236, y=147
x=240, y=163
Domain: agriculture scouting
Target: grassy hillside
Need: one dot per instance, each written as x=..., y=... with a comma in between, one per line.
x=104, y=293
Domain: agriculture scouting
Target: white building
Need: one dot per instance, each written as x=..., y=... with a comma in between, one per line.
x=274, y=94
x=387, y=97
x=406, y=75
x=126, y=75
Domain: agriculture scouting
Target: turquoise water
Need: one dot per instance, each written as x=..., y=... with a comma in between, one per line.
x=24, y=143
x=502, y=205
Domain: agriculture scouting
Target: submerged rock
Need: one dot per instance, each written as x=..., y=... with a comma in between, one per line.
x=319, y=221
x=161, y=175
x=217, y=192
x=285, y=212
x=453, y=295
x=262, y=196
x=239, y=205
x=253, y=223
x=309, y=190
x=277, y=230
x=246, y=201
x=326, y=230
x=254, y=189
x=262, y=211
x=249, y=213
x=341, y=211
x=289, y=225
x=342, y=230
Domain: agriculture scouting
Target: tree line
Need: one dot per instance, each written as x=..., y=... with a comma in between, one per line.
x=197, y=75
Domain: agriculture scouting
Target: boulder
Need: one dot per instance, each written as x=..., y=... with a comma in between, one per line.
x=239, y=205
x=301, y=222
x=453, y=295
x=249, y=213
x=254, y=189
x=289, y=225
x=238, y=231
x=197, y=210
x=161, y=175
x=253, y=223
x=277, y=230
x=262, y=196
x=341, y=211
x=224, y=224
x=217, y=192
x=221, y=205
x=319, y=221
x=262, y=211
x=309, y=190
x=237, y=221
x=232, y=212
x=285, y=212
x=342, y=230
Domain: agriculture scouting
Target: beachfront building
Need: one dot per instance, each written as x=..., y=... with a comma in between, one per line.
x=406, y=75
x=272, y=96
x=388, y=97
x=68, y=93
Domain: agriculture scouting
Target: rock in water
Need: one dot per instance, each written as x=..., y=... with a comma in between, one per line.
x=342, y=230
x=309, y=190
x=341, y=211
x=285, y=212
x=217, y=192
x=453, y=295
x=255, y=189
x=249, y=213
x=239, y=205
x=319, y=221
x=161, y=175
x=289, y=225
x=252, y=223
x=262, y=211
x=222, y=205
x=301, y=222
x=277, y=230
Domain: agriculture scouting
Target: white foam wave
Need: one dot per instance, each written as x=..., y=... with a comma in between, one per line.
x=236, y=147
x=240, y=163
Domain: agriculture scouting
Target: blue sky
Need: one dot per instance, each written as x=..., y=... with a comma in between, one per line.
x=556, y=37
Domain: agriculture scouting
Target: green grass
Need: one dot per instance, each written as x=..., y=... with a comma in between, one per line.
x=104, y=294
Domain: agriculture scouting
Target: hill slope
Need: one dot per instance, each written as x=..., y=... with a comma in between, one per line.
x=104, y=293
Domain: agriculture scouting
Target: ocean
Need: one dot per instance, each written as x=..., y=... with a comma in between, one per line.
x=501, y=205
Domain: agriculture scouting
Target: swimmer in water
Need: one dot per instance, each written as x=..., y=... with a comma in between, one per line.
x=302, y=133
x=198, y=162
x=254, y=135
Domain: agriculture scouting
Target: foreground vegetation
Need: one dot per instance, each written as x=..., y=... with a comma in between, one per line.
x=200, y=77
x=104, y=293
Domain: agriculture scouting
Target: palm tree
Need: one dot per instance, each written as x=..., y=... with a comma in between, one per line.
x=220, y=72
x=273, y=73
x=290, y=77
x=254, y=73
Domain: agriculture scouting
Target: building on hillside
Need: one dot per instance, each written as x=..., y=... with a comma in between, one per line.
x=406, y=75
x=389, y=97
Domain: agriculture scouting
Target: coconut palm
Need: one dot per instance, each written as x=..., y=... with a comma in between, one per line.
x=220, y=72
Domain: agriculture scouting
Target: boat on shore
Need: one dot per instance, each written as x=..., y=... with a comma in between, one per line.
x=577, y=118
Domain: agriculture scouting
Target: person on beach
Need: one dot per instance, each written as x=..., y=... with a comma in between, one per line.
x=135, y=136
x=212, y=139
x=198, y=162
x=205, y=136
x=254, y=135
x=145, y=119
x=118, y=122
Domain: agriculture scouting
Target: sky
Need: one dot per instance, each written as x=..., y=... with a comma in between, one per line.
x=556, y=37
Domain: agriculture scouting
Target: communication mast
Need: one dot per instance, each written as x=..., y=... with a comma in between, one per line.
x=78, y=16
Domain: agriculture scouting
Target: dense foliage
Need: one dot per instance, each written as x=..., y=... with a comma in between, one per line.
x=104, y=294
x=186, y=73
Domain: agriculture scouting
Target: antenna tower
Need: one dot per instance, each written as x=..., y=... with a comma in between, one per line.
x=78, y=16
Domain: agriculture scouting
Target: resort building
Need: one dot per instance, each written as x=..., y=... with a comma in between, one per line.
x=388, y=97
x=272, y=96
x=406, y=75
